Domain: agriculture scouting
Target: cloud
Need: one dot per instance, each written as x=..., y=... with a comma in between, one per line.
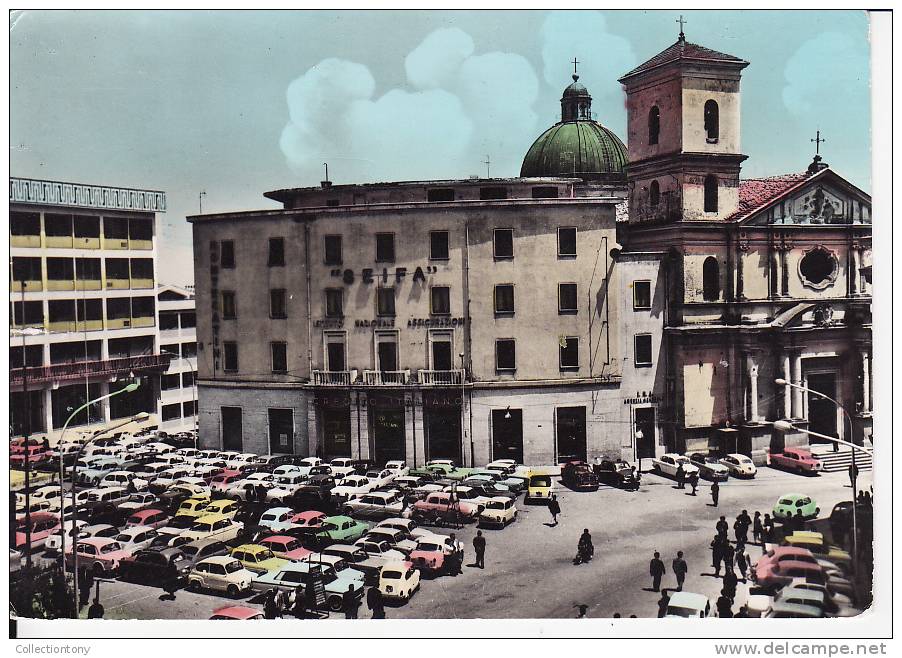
x=458, y=107
x=823, y=71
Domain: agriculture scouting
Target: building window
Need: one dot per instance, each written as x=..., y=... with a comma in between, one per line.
x=712, y=121
x=171, y=348
x=438, y=245
x=230, y=356
x=545, y=192
x=642, y=349
x=569, y=352
x=335, y=351
x=169, y=382
x=503, y=243
x=505, y=354
x=490, y=193
x=385, y=301
x=654, y=193
x=188, y=319
x=818, y=268
x=189, y=350
x=385, y=247
x=566, y=298
x=279, y=357
x=27, y=269
x=440, y=302
x=172, y=411
x=229, y=309
x=277, y=307
x=710, y=280
x=227, y=254
x=641, y=295
x=654, y=125
x=710, y=193
x=332, y=250
x=24, y=223
x=276, y=252
x=189, y=409
x=566, y=242
x=187, y=379
x=387, y=351
x=334, y=302
x=440, y=194
x=504, y=299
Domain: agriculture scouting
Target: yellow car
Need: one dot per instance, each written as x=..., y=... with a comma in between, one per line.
x=539, y=488
x=814, y=542
x=195, y=506
x=228, y=508
x=212, y=526
x=257, y=558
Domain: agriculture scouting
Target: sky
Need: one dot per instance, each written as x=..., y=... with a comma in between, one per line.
x=236, y=103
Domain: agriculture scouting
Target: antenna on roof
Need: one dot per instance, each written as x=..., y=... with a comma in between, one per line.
x=488, y=166
x=327, y=182
x=200, y=201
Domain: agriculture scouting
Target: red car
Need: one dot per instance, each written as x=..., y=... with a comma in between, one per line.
x=43, y=524
x=225, y=479
x=36, y=455
x=284, y=546
x=18, y=445
x=150, y=518
x=237, y=612
x=441, y=506
x=796, y=459
x=767, y=570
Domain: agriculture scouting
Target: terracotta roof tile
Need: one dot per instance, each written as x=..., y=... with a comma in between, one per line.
x=755, y=193
x=683, y=50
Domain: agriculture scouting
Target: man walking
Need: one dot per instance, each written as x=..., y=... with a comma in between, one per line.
x=679, y=570
x=656, y=571
x=376, y=602
x=693, y=482
x=742, y=560
x=350, y=603
x=455, y=559
x=479, y=549
x=716, y=554
x=853, y=474
x=758, y=529
x=554, y=508
x=681, y=477
x=724, y=605
x=728, y=554
x=715, y=493
x=722, y=527
x=768, y=524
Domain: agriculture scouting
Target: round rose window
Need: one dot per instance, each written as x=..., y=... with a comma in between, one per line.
x=818, y=268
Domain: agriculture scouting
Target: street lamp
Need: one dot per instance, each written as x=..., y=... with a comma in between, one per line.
x=784, y=426
x=136, y=418
x=59, y=446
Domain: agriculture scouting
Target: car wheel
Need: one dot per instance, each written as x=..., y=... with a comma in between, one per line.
x=335, y=603
x=656, y=469
x=97, y=569
x=232, y=590
x=193, y=585
x=348, y=511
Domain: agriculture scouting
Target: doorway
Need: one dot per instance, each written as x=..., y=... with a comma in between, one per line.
x=336, y=432
x=645, y=423
x=507, y=434
x=388, y=435
x=281, y=431
x=230, y=422
x=822, y=413
x=571, y=434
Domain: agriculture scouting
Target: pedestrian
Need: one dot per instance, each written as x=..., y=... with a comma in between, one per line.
x=728, y=554
x=799, y=522
x=715, y=493
x=457, y=556
x=269, y=605
x=681, y=477
x=96, y=610
x=297, y=607
x=376, y=602
x=585, y=549
x=742, y=561
x=350, y=603
x=131, y=488
x=729, y=584
x=171, y=581
x=582, y=609
x=261, y=493
x=722, y=527
x=853, y=474
x=742, y=530
x=693, y=482
x=554, y=507
x=724, y=605
x=768, y=524
x=479, y=548
x=716, y=554
x=596, y=465
x=757, y=529
x=87, y=583
x=656, y=571
x=680, y=568
x=663, y=603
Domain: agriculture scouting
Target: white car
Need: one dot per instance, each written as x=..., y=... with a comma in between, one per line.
x=379, y=549
x=380, y=478
x=688, y=604
x=240, y=489
x=310, y=461
x=152, y=470
x=137, y=502
x=220, y=572
x=668, y=463
x=54, y=542
x=398, y=580
x=342, y=466
x=277, y=519
x=136, y=537
x=285, y=486
x=375, y=504
x=241, y=459
x=739, y=465
x=48, y=492
x=286, y=469
x=398, y=467
x=409, y=526
x=121, y=479
x=398, y=539
x=212, y=526
x=352, y=486
x=498, y=512
x=169, y=477
x=112, y=495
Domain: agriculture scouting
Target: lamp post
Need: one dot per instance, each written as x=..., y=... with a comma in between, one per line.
x=783, y=426
x=127, y=389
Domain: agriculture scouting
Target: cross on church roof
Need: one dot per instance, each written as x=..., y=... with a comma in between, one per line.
x=574, y=62
x=681, y=20
x=818, y=140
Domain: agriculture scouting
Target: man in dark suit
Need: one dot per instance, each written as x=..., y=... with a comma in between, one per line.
x=656, y=571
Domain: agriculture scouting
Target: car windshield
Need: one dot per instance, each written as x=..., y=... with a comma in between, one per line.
x=124, y=538
x=540, y=481
x=493, y=504
x=679, y=611
x=232, y=567
x=111, y=547
x=190, y=551
x=429, y=547
x=786, y=501
x=391, y=575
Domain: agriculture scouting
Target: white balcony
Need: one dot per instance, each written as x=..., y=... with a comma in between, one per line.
x=334, y=377
x=386, y=377
x=441, y=377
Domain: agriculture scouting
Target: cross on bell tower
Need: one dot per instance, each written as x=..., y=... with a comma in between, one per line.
x=575, y=62
x=818, y=141
x=681, y=21
x=817, y=163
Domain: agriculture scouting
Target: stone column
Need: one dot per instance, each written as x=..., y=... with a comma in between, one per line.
x=753, y=388
x=854, y=260
x=787, y=390
x=784, y=272
x=865, y=381
x=797, y=411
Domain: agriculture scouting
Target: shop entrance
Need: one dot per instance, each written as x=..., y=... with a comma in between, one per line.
x=507, y=434
x=388, y=433
x=336, y=432
x=571, y=434
x=281, y=431
x=441, y=415
x=821, y=412
x=645, y=423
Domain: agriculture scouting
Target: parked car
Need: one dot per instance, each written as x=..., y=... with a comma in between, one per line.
x=815, y=542
x=375, y=505
x=148, y=518
x=237, y=613
x=223, y=480
x=222, y=573
x=152, y=565
x=797, y=459
x=781, y=573
x=841, y=518
x=740, y=466
x=399, y=581
x=409, y=526
x=74, y=530
x=430, y=554
x=285, y=546
x=342, y=529
x=134, y=538
x=835, y=604
x=225, y=506
x=195, y=507
x=292, y=575
x=342, y=466
x=286, y=486
x=617, y=473
x=258, y=559
x=443, y=506
x=352, y=486
x=42, y=525
x=789, y=504
x=196, y=551
x=578, y=476
x=498, y=512
x=176, y=526
x=380, y=549
x=794, y=611
x=668, y=463
x=137, y=502
x=316, y=489
x=305, y=524
x=540, y=488
x=688, y=604
x=213, y=526
x=396, y=538
x=101, y=555
x=708, y=467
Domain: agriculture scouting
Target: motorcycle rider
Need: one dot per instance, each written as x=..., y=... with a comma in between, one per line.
x=585, y=549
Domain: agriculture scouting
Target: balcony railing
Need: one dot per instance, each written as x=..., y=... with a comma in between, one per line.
x=441, y=377
x=334, y=377
x=386, y=377
x=81, y=369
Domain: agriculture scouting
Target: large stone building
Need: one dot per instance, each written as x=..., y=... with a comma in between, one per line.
x=762, y=279
x=83, y=312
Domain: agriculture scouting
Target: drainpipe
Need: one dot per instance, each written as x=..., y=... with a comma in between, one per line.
x=309, y=319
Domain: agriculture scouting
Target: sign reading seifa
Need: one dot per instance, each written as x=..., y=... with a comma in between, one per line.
x=368, y=275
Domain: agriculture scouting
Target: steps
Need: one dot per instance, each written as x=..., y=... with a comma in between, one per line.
x=840, y=460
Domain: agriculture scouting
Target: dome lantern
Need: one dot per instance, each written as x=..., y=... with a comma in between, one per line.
x=576, y=103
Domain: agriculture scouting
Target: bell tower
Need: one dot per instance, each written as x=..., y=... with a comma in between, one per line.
x=683, y=135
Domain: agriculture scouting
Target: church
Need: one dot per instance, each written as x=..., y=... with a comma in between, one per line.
x=618, y=300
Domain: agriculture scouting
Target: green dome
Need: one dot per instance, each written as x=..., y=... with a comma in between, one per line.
x=584, y=149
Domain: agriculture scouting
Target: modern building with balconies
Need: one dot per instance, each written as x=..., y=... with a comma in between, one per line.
x=178, y=341
x=82, y=303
